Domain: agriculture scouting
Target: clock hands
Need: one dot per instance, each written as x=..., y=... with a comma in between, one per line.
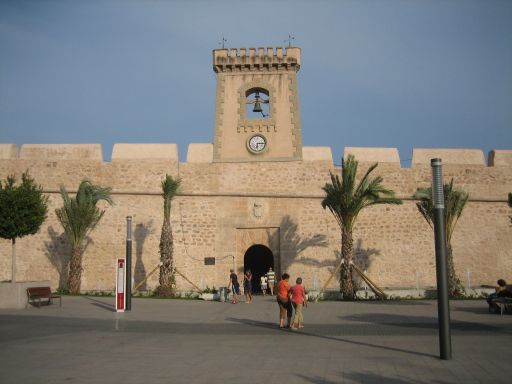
x=257, y=143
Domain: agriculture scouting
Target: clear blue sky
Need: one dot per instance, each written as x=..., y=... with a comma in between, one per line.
x=390, y=73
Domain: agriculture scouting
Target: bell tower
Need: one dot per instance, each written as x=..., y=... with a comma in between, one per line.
x=257, y=105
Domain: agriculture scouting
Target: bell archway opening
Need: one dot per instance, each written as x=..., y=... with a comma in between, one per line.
x=259, y=259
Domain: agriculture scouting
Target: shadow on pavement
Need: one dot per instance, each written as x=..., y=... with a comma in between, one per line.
x=300, y=333
x=256, y=323
x=392, y=302
x=422, y=322
x=369, y=377
x=101, y=304
x=484, y=310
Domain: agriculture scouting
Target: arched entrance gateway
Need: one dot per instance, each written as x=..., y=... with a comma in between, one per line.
x=257, y=249
x=258, y=258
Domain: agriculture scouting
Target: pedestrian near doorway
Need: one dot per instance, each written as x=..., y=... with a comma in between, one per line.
x=283, y=300
x=235, y=286
x=271, y=280
x=299, y=300
x=263, y=283
x=248, y=286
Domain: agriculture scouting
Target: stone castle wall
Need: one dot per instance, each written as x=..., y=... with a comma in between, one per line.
x=224, y=208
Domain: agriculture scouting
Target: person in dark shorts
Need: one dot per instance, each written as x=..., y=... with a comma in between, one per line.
x=248, y=286
x=283, y=299
x=235, y=286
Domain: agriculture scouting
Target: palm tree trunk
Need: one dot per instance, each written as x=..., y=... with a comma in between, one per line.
x=166, y=256
x=454, y=285
x=75, y=270
x=347, y=245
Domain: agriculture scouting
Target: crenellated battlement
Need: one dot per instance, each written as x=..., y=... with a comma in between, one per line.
x=243, y=59
x=203, y=153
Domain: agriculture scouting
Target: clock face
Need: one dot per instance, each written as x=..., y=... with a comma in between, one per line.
x=257, y=143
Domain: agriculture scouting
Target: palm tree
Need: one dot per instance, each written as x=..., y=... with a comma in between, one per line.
x=345, y=200
x=169, y=189
x=455, y=200
x=79, y=216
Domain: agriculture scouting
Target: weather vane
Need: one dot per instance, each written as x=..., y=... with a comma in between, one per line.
x=223, y=41
x=290, y=38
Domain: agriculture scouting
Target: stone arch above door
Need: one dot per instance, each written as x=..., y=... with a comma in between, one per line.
x=247, y=237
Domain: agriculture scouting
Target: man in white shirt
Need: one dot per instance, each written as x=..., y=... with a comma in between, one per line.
x=271, y=279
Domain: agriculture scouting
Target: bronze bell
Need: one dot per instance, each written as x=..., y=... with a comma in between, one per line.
x=257, y=106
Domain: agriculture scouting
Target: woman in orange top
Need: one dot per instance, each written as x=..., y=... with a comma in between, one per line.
x=283, y=299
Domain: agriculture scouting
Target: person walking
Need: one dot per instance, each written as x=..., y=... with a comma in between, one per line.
x=263, y=283
x=271, y=280
x=248, y=286
x=283, y=300
x=299, y=300
x=235, y=286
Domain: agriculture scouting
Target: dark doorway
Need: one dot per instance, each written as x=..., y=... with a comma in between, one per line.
x=258, y=259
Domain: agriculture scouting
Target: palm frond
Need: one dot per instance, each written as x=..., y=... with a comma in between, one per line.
x=79, y=215
x=88, y=192
x=345, y=201
x=454, y=200
x=170, y=187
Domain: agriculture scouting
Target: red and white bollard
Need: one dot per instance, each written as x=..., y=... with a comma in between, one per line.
x=120, y=285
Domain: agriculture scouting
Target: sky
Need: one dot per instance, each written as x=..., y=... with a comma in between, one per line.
x=389, y=73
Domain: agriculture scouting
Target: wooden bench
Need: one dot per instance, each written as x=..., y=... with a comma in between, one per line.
x=35, y=294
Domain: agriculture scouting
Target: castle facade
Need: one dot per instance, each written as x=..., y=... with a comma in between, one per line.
x=251, y=199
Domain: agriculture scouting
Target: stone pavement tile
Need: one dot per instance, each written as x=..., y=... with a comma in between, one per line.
x=462, y=373
x=385, y=367
x=481, y=369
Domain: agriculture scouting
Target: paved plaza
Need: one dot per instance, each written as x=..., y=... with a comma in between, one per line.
x=191, y=341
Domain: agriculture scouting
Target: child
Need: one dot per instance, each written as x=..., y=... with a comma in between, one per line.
x=299, y=299
x=263, y=281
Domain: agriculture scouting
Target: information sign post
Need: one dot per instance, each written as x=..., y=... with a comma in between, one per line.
x=120, y=285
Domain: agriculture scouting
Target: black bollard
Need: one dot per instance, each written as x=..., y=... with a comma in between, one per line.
x=128, y=289
x=443, y=304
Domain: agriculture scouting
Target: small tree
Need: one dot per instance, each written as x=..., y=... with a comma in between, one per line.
x=166, y=279
x=79, y=216
x=345, y=200
x=455, y=200
x=23, y=209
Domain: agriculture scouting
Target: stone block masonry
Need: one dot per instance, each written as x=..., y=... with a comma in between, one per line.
x=225, y=207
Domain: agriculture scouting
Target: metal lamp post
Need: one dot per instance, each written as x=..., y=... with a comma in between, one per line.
x=443, y=305
x=128, y=263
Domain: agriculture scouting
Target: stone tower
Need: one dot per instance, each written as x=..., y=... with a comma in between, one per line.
x=257, y=105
